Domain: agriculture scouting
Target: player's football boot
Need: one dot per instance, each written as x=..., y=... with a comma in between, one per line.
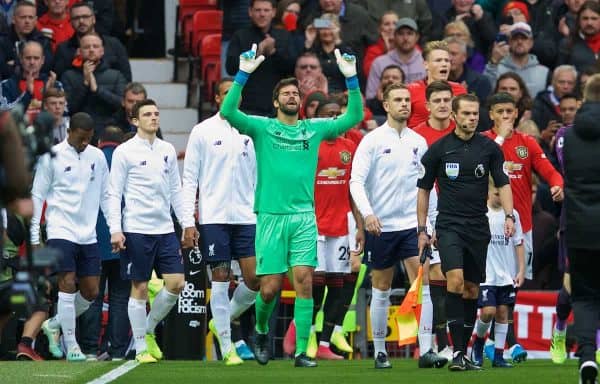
x=302, y=360
x=518, y=354
x=243, y=351
x=153, y=348
x=499, y=362
x=261, y=348
x=53, y=336
x=382, y=361
x=558, y=350
x=477, y=351
x=232, y=358
x=489, y=349
x=339, y=340
x=588, y=373
x=432, y=360
x=145, y=357
x=74, y=354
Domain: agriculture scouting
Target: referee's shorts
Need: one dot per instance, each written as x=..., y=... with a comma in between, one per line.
x=464, y=251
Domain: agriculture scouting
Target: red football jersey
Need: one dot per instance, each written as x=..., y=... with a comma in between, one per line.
x=332, y=188
x=522, y=155
x=419, y=112
x=432, y=135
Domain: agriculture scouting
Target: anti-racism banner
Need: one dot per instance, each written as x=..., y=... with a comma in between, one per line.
x=535, y=315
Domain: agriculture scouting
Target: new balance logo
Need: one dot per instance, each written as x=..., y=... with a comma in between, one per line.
x=387, y=151
x=218, y=142
x=143, y=163
x=68, y=169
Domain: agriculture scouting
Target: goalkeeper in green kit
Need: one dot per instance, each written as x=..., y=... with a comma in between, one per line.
x=286, y=156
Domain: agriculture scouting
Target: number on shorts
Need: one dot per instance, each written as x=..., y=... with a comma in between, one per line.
x=344, y=253
x=529, y=259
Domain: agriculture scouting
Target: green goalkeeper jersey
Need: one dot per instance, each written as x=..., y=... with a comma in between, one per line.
x=286, y=155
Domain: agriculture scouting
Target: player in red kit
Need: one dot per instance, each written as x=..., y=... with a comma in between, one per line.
x=522, y=156
x=437, y=66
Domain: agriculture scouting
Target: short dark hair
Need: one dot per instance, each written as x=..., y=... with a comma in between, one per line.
x=93, y=33
x=112, y=133
x=81, y=120
x=392, y=87
x=284, y=83
x=468, y=97
x=500, y=98
x=221, y=82
x=135, y=88
x=81, y=4
x=329, y=100
x=570, y=96
x=24, y=3
x=393, y=66
x=135, y=112
x=266, y=1
x=437, y=86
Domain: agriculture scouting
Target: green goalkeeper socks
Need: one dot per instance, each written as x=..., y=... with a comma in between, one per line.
x=303, y=310
x=263, y=314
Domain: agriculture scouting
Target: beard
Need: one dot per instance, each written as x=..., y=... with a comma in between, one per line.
x=290, y=111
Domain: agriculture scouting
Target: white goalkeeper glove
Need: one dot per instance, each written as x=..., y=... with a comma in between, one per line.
x=248, y=60
x=346, y=63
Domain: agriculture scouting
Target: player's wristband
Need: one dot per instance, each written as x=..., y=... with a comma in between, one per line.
x=421, y=229
x=352, y=82
x=511, y=216
x=241, y=77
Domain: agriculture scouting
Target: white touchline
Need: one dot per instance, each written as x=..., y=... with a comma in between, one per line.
x=115, y=373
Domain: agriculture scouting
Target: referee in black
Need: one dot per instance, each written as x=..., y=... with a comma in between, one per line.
x=462, y=163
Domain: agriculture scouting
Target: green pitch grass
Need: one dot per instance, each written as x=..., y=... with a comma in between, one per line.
x=344, y=372
x=52, y=372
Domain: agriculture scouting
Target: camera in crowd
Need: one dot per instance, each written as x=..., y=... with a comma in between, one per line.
x=29, y=284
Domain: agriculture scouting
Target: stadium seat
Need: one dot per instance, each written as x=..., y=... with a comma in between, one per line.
x=210, y=65
x=204, y=23
x=184, y=22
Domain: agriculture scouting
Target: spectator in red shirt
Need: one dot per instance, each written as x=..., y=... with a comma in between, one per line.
x=437, y=66
x=387, y=26
x=56, y=23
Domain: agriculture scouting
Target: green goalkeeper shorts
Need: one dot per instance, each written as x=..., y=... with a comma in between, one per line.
x=284, y=241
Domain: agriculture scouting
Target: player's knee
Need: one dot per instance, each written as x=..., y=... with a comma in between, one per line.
x=89, y=293
x=252, y=281
x=66, y=283
x=220, y=271
x=471, y=291
x=175, y=286
x=139, y=290
x=488, y=313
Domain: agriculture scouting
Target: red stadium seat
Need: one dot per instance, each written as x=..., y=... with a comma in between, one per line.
x=204, y=23
x=183, y=27
x=210, y=67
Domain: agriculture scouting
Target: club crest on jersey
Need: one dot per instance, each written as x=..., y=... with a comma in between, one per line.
x=479, y=171
x=452, y=170
x=522, y=152
x=345, y=157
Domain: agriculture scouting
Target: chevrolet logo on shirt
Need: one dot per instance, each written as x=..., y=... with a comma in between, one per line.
x=332, y=173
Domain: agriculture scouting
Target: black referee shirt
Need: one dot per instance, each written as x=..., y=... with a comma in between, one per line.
x=461, y=169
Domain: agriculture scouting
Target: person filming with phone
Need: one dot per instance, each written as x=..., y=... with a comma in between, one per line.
x=322, y=38
x=512, y=53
